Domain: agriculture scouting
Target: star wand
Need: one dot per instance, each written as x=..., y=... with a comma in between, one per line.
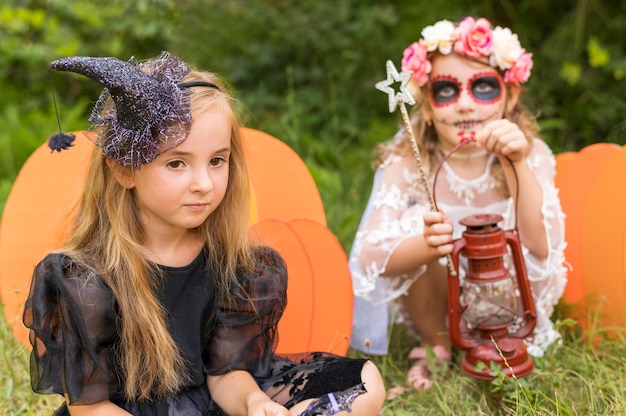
x=400, y=99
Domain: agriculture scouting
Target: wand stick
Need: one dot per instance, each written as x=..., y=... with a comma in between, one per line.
x=401, y=99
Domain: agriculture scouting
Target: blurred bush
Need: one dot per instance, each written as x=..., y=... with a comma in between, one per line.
x=305, y=71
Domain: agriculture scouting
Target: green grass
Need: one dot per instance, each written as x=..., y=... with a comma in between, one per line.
x=580, y=377
x=16, y=396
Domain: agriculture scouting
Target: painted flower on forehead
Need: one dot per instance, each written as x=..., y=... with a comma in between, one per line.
x=439, y=36
x=416, y=61
x=473, y=38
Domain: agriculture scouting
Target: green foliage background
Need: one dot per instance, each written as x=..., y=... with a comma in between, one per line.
x=305, y=71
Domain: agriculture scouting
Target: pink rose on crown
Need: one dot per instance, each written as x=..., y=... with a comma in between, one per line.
x=415, y=60
x=474, y=38
x=520, y=70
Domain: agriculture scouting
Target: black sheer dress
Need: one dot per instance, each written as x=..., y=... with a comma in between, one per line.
x=72, y=320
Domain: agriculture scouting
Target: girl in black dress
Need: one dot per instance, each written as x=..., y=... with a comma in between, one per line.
x=158, y=303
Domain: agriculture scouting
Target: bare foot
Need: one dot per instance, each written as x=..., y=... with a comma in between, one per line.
x=419, y=374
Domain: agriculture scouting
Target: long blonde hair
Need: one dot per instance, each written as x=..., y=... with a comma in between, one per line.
x=106, y=238
x=426, y=135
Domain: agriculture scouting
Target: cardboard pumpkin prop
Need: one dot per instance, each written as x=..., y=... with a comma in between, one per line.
x=48, y=186
x=576, y=172
x=593, y=196
x=33, y=219
x=314, y=256
x=282, y=185
x=603, y=249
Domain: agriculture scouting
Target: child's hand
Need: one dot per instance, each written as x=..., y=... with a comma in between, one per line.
x=503, y=138
x=438, y=232
x=262, y=405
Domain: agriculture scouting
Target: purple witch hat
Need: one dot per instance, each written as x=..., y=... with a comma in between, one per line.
x=150, y=111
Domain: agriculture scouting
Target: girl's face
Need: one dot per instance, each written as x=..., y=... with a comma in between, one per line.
x=184, y=185
x=464, y=95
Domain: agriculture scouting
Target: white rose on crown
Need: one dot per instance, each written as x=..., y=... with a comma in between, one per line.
x=439, y=36
x=506, y=48
x=473, y=39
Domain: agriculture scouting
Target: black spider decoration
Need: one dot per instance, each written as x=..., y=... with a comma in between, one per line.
x=60, y=141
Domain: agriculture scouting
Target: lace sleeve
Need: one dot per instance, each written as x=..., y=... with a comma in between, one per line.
x=547, y=277
x=72, y=331
x=245, y=334
x=396, y=204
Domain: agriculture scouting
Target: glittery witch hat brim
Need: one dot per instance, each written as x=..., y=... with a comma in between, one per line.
x=149, y=113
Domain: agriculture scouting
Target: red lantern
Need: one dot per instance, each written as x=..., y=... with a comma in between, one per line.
x=486, y=304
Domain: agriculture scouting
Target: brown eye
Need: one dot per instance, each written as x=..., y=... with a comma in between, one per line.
x=175, y=164
x=217, y=161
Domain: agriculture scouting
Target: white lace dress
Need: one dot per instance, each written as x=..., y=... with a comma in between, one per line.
x=394, y=213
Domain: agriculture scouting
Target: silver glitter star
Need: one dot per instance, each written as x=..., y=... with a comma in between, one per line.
x=393, y=76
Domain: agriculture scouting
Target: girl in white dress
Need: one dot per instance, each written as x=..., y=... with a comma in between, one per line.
x=466, y=82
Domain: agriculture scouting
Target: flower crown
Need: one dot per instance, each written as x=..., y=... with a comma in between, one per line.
x=473, y=39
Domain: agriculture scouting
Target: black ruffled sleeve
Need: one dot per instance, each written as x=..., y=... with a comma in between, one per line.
x=72, y=324
x=245, y=334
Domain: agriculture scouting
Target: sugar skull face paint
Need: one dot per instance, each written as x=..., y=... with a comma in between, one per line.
x=483, y=88
x=444, y=90
x=464, y=95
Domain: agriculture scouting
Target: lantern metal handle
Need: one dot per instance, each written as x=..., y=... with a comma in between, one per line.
x=462, y=143
x=454, y=294
x=530, y=315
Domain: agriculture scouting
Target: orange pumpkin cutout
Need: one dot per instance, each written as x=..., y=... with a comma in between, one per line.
x=41, y=197
x=47, y=186
x=283, y=186
x=576, y=173
x=319, y=293
x=603, y=241
x=332, y=291
x=563, y=161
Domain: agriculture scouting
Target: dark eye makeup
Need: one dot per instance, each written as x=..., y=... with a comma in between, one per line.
x=445, y=91
x=485, y=88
